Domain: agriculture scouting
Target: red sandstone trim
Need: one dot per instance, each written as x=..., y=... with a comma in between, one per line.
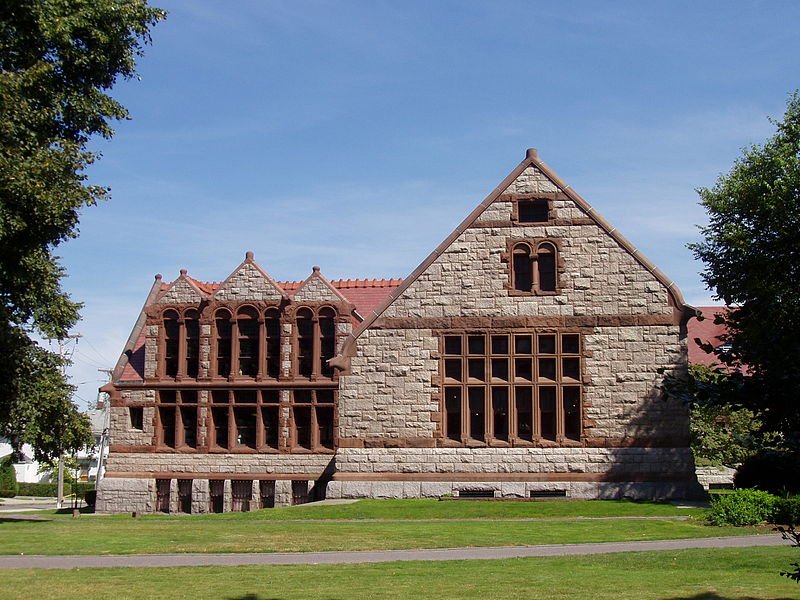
x=181, y=475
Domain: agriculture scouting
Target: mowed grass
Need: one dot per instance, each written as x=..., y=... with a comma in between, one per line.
x=719, y=574
x=132, y=536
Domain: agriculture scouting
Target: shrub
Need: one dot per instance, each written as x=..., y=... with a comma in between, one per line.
x=786, y=511
x=770, y=470
x=743, y=507
x=8, y=478
x=51, y=489
x=90, y=497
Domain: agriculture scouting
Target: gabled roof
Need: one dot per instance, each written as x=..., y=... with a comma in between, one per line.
x=531, y=160
x=183, y=288
x=243, y=273
x=316, y=287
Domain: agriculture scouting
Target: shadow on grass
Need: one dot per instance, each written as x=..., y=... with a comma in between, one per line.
x=705, y=596
x=257, y=597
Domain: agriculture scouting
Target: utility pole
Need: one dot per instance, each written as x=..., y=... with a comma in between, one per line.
x=62, y=353
x=104, y=436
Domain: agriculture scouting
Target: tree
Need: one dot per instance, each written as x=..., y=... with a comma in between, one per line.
x=751, y=251
x=58, y=59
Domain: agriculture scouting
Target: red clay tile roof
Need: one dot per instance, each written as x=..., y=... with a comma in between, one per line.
x=134, y=370
x=707, y=332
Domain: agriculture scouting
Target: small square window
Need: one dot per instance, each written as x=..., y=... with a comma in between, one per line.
x=533, y=211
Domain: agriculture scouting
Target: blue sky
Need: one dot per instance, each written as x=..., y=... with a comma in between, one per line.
x=355, y=135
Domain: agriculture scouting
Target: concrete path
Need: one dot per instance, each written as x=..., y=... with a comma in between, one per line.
x=305, y=558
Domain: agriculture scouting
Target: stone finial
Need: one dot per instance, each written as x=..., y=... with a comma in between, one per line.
x=159, y=276
x=184, y=271
x=532, y=153
x=248, y=255
x=315, y=269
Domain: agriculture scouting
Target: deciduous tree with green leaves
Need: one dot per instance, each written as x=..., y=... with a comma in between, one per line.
x=58, y=61
x=751, y=252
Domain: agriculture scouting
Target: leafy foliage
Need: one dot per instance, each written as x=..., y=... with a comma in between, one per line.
x=743, y=507
x=791, y=534
x=751, y=251
x=8, y=477
x=772, y=469
x=57, y=61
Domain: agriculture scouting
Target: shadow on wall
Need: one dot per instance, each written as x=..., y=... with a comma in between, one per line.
x=659, y=429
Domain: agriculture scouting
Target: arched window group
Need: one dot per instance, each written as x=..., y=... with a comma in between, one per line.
x=181, y=346
x=534, y=267
x=315, y=342
x=247, y=343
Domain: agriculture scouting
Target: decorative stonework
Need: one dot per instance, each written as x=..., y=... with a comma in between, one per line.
x=248, y=283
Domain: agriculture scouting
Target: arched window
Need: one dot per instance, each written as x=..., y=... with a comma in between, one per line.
x=546, y=267
x=248, y=341
x=192, y=332
x=327, y=337
x=222, y=323
x=305, y=342
x=171, y=343
x=272, y=329
x=534, y=267
x=522, y=272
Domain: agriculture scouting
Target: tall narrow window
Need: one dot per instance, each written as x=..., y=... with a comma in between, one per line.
x=305, y=342
x=546, y=265
x=248, y=326
x=272, y=327
x=171, y=343
x=192, y=328
x=189, y=425
x=523, y=274
x=327, y=332
x=222, y=322
x=166, y=419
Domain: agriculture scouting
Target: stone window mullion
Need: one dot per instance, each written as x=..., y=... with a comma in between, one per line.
x=317, y=345
x=262, y=348
x=181, y=349
x=234, y=369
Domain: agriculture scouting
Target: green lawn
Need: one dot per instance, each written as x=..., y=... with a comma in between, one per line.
x=448, y=509
x=88, y=535
x=720, y=574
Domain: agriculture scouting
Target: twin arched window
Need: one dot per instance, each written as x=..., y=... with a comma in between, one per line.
x=533, y=267
x=181, y=350
x=315, y=342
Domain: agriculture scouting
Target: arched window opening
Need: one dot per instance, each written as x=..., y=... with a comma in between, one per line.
x=171, y=343
x=247, y=324
x=222, y=322
x=546, y=265
x=272, y=326
x=305, y=342
x=192, y=325
x=327, y=335
x=522, y=271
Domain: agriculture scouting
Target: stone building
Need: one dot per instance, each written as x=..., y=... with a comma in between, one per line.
x=521, y=358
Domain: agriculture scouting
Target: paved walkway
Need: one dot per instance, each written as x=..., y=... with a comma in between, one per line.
x=304, y=558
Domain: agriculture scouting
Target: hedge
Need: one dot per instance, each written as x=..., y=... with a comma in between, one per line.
x=51, y=489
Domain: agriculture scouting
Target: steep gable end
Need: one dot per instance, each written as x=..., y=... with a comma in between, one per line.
x=317, y=289
x=181, y=291
x=470, y=273
x=249, y=282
